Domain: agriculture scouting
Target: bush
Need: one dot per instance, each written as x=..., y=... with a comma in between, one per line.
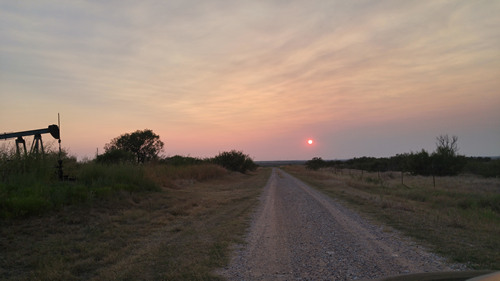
x=178, y=160
x=235, y=161
x=315, y=163
x=115, y=156
x=419, y=163
x=483, y=166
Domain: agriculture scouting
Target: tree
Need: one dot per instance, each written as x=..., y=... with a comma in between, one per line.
x=445, y=160
x=447, y=146
x=145, y=145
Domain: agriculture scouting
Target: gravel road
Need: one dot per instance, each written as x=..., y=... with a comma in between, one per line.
x=298, y=233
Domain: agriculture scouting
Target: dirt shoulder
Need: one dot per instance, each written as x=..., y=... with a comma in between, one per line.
x=299, y=233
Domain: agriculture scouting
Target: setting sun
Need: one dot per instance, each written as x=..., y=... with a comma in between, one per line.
x=357, y=89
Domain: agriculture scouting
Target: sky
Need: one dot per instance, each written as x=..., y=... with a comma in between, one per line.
x=360, y=78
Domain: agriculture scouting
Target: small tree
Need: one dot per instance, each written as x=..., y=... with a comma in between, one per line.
x=145, y=145
x=445, y=160
x=447, y=146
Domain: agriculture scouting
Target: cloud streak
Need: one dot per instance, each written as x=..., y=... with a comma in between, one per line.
x=223, y=68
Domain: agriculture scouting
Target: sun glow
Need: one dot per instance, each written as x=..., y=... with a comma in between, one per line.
x=310, y=141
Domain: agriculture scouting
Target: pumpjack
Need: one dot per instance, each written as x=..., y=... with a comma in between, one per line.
x=37, y=143
x=37, y=140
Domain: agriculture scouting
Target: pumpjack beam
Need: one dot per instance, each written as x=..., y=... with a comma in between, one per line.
x=53, y=130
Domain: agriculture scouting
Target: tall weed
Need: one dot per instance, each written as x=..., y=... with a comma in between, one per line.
x=30, y=186
x=129, y=177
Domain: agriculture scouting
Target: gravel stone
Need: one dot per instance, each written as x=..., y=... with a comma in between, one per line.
x=298, y=233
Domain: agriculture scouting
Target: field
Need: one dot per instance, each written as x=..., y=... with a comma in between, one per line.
x=180, y=226
x=459, y=217
x=168, y=222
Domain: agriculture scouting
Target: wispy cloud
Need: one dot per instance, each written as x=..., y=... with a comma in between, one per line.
x=228, y=66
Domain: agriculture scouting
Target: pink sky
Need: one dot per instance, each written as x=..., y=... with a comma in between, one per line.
x=361, y=78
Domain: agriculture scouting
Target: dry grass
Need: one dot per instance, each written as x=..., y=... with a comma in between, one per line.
x=458, y=218
x=182, y=232
x=178, y=176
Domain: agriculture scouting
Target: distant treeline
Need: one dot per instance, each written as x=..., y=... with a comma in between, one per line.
x=445, y=161
x=410, y=162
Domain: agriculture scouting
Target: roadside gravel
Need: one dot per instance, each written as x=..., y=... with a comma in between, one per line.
x=300, y=234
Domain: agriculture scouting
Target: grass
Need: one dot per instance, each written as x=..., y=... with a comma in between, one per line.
x=35, y=189
x=179, y=227
x=29, y=185
x=458, y=218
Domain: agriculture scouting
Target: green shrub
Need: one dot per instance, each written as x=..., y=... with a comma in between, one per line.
x=315, y=163
x=178, y=160
x=116, y=156
x=483, y=166
x=235, y=161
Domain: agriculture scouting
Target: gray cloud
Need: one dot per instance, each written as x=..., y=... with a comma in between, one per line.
x=272, y=64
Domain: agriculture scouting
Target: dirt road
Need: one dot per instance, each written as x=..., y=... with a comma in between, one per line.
x=300, y=234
